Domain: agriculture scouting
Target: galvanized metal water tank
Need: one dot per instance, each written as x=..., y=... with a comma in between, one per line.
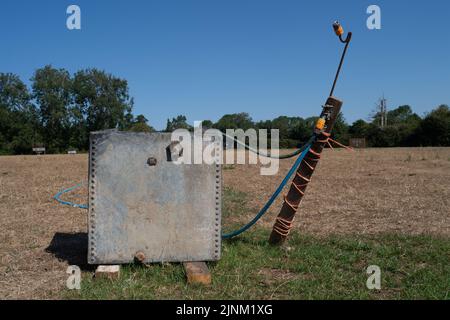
x=140, y=201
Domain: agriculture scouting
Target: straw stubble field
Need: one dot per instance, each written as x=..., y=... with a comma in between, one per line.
x=366, y=192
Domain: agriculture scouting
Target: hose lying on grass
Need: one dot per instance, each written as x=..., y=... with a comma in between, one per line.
x=57, y=197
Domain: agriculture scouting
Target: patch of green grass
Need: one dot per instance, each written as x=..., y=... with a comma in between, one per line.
x=234, y=203
x=229, y=167
x=307, y=267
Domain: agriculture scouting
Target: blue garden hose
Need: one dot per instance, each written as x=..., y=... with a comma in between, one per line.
x=304, y=150
x=57, y=197
x=264, y=209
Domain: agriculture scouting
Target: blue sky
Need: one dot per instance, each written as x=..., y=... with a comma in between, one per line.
x=205, y=58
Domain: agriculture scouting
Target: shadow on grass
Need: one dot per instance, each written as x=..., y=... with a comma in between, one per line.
x=72, y=248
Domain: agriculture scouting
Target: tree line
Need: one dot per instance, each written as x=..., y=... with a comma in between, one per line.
x=404, y=128
x=59, y=111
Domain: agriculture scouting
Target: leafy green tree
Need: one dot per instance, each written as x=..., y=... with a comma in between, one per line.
x=293, y=131
x=101, y=101
x=401, y=125
x=180, y=122
x=401, y=115
x=340, y=129
x=140, y=124
x=311, y=122
x=141, y=127
x=434, y=130
x=283, y=124
x=18, y=117
x=207, y=124
x=14, y=93
x=52, y=92
x=264, y=124
x=140, y=119
x=406, y=123
x=235, y=121
x=301, y=131
x=359, y=129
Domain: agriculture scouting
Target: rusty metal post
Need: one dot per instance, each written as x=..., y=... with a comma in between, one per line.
x=300, y=182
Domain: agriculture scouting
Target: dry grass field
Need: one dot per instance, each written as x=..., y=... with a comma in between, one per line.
x=405, y=190
x=366, y=192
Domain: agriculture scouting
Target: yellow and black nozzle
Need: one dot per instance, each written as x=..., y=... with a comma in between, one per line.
x=338, y=29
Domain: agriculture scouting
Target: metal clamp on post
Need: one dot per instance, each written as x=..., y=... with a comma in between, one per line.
x=324, y=117
x=320, y=126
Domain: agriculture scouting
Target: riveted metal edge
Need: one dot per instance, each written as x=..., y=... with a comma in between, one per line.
x=218, y=200
x=92, y=258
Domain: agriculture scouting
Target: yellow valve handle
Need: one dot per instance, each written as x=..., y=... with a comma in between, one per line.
x=320, y=124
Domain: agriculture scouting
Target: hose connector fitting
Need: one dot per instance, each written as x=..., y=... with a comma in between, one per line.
x=320, y=125
x=338, y=29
